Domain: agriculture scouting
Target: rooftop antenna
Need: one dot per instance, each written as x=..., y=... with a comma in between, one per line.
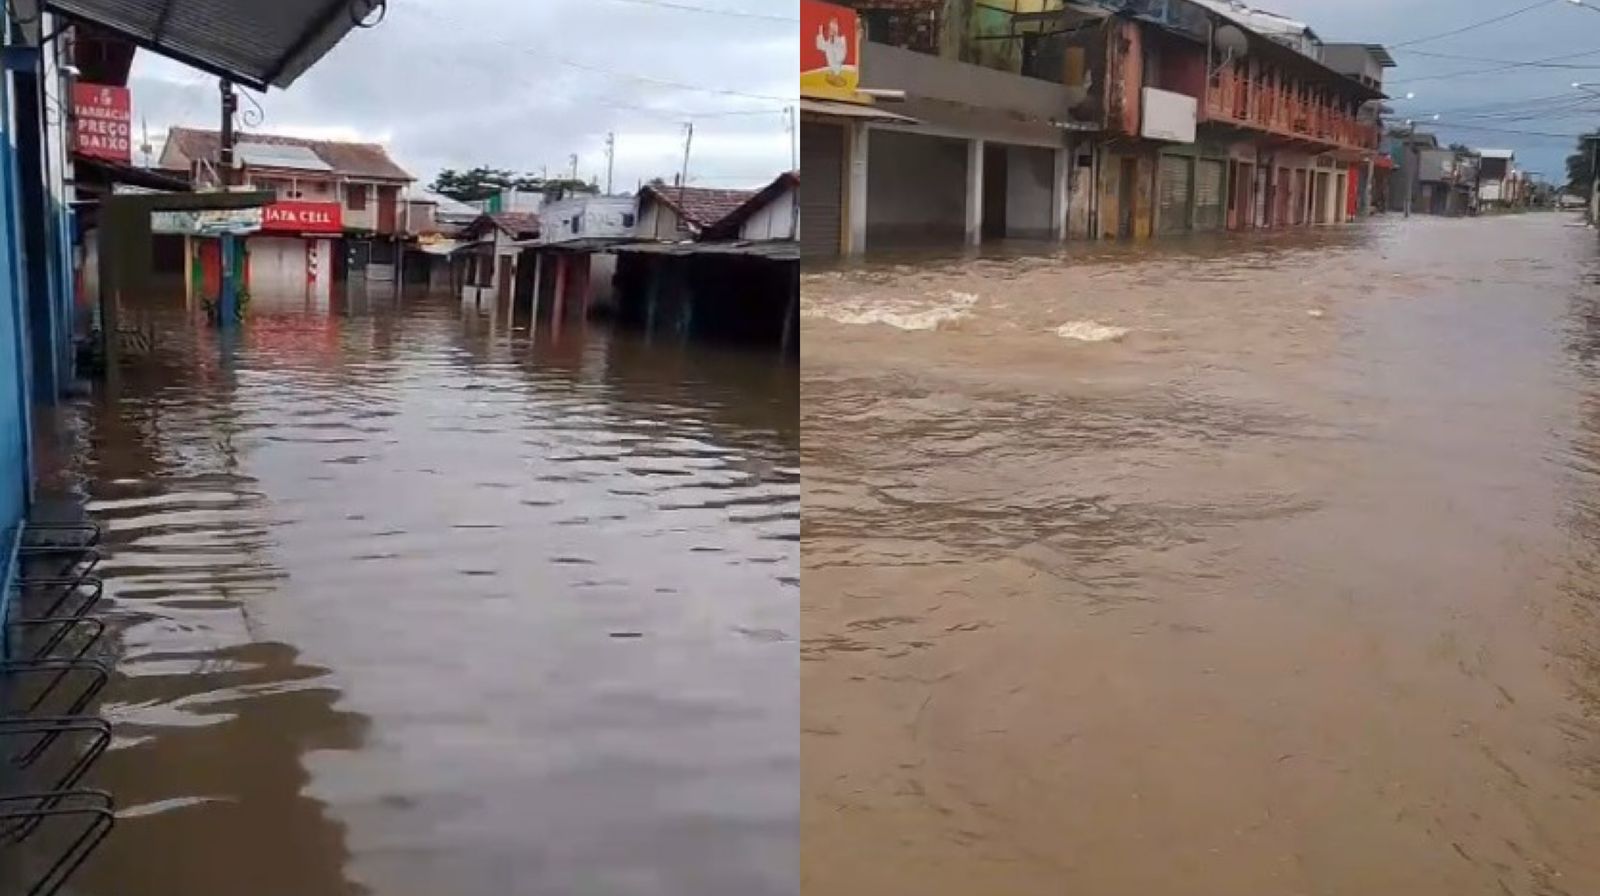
x=144, y=146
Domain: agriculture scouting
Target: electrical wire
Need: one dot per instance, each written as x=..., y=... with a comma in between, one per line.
x=600, y=70
x=735, y=13
x=1532, y=63
x=1475, y=25
x=1510, y=63
x=1519, y=133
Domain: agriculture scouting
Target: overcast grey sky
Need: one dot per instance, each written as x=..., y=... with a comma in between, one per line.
x=522, y=84
x=525, y=84
x=1522, y=99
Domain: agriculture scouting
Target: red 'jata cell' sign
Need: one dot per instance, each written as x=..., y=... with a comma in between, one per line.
x=102, y=122
x=302, y=217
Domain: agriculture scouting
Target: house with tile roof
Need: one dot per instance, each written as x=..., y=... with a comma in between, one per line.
x=341, y=211
x=486, y=264
x=676, y=213
x=769, y=214
x=359, y=177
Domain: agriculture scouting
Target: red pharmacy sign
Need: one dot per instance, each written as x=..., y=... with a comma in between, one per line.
x=102, y=122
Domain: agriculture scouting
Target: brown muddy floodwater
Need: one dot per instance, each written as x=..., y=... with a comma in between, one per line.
x=1255, y=566
x=407, y=602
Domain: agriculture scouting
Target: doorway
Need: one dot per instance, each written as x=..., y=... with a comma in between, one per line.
x=995, y=179
x=1126, y=200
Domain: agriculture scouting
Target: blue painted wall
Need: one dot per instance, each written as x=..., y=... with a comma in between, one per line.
x=35, y=311
x=14, y=363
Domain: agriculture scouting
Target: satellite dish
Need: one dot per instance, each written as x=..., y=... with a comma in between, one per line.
x=1231, y=41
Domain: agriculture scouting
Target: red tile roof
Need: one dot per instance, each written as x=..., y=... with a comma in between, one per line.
x=349, y=159
x=700, y=207
x=517, y=225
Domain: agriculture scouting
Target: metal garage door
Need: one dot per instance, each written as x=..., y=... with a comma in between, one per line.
x=821, y=188
x=1208, y=195
x=277, y=266
x=1172, y=191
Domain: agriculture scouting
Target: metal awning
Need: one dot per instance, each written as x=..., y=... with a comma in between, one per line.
x=772, y=250
x=257, y=43
x=853, y=110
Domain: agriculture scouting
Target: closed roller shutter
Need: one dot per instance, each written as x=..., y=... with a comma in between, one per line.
x=277, y=266
x=821, y=189
x=1173, y=194
x=1208, y=196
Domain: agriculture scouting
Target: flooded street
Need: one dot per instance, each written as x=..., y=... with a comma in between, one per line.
x=1257, y=565
x=407, y=603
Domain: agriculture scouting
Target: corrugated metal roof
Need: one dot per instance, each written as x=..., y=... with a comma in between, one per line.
x=257, y=43
x=273, y=155
x=350, y=159
x=774, y=250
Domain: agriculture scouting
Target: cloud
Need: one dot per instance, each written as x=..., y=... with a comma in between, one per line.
x=457, y=83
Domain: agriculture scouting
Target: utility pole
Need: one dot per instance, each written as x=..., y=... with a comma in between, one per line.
x=574, y=159
x=683, y=177
x=794, y=134
x=611, y=159
x=228, y=301
x=230, y=106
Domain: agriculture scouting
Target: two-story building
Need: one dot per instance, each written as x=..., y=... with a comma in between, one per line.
x=1219, y=115
x=341, y=209
x=1055, y=119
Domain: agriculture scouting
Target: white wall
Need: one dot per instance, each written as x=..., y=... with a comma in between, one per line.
x=658, y=222
x=773, y=221
x=595, y=216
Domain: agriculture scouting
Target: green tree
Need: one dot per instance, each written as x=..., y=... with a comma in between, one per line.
x=1580, y=166
x=481, y=183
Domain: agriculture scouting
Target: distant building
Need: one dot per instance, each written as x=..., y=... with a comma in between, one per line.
x=683, y=213
x=341, y=208
x=1497, y=187
x=486, y=263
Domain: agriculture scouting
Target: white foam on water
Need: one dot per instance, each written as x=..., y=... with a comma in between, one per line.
x=1090, y=331
x=1316, y=312
x=902, y=315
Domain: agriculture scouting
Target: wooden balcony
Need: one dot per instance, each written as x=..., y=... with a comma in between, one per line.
x=1261, y=105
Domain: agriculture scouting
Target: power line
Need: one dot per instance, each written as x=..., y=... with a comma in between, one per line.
x=1475, y=25
x=736, y=13
x=1512, y=63
x=1519, y=133
x=1508, y=65
x=600, y=70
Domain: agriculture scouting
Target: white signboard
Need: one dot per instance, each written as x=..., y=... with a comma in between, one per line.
x=1169, y=116
x=210, y=222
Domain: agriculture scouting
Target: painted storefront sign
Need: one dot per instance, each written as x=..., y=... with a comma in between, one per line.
x=830, y=51
x=303, y=217
x=102, y=122
x=211, y=222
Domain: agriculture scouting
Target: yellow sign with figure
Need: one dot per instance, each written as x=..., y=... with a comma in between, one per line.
x=830, y=52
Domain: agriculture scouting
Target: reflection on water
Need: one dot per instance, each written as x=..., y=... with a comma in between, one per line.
x=410, y=600
x=1242, y=565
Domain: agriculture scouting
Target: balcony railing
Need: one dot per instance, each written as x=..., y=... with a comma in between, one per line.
x=1267, y=106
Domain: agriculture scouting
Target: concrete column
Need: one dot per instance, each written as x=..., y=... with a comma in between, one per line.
x=533, y=303
x=561, y=291
x=1061, y=193
x=855, y=189
x=974, y=192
